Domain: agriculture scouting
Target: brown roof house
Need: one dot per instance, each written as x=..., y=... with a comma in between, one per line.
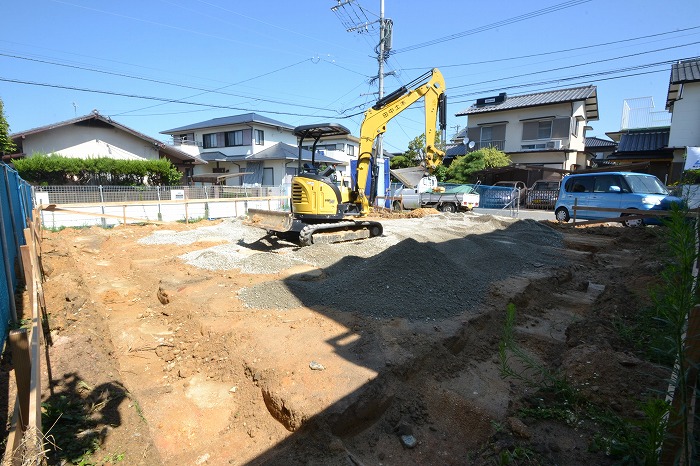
x=95, y=135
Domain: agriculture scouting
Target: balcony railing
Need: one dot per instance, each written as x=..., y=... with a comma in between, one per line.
x=495, y=144
x=185, y=142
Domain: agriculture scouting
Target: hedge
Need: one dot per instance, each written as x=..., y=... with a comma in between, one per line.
x=54, y=169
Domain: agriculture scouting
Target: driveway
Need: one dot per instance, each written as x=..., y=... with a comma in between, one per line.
x=534, y=214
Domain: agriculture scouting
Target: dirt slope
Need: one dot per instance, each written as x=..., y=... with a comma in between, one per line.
x=200, y=344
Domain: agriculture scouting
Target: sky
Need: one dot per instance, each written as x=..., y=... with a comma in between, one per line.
x=154, y=65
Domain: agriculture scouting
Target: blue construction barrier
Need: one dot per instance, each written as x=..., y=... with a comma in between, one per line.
x=15, y=209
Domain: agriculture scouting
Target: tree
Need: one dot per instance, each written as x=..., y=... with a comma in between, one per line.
x=416, y=148
x=463, y=168
x=401, y=161
x=440, y=173
x=494, y=158
x=6, y=144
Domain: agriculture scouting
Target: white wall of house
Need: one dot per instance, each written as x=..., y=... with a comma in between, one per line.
x=89, y=142
x=686, y=118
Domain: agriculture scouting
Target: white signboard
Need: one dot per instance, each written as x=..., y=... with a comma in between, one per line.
x=692, y=159
x=177, y=194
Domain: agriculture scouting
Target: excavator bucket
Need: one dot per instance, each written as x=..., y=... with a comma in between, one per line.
x=269, y=220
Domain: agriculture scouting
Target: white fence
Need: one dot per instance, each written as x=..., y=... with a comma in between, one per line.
x=81, y=206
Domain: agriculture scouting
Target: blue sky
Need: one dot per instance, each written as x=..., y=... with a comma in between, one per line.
x=295, y=61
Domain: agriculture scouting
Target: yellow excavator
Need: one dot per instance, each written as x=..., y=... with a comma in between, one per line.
x=325, y=210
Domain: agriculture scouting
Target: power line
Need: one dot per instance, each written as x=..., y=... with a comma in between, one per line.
x=516, y=19
x=496, y=60
x=580, y=65
x=185, y=86
x=160, y=99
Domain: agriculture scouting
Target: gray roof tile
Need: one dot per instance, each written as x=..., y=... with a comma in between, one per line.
x=229, y=121
x=598, y=142
x=541, y=98
x=685, y=71
x=641, y=141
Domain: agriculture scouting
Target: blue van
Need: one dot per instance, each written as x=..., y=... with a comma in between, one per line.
x=613, y=190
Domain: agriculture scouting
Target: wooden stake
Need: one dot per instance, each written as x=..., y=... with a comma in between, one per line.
x=19, y=344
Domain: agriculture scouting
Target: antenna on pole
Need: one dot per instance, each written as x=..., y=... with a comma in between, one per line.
x=75, y=109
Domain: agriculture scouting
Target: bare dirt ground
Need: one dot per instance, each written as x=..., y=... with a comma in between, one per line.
x=201, y=344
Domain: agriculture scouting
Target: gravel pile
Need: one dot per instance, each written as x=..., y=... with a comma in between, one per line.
x=427, y=268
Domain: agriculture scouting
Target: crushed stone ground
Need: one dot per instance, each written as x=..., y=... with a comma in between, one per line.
x=438, y=273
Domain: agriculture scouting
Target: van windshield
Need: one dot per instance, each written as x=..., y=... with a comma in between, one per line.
x=645, y=184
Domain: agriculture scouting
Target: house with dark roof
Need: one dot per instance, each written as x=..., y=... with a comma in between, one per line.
x=683, y=101
x=662, y=147
x=544, y=129
x=95, y=135
x=648, y=146
x=599, y=149
x=260, y=150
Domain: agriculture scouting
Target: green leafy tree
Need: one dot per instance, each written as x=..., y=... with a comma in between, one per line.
x=440, y=173
x=494, y=158
x=401, y=161
x=463, y=168
x=6, y=144
x=416, y=148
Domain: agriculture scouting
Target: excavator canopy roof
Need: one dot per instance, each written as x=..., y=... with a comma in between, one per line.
x=320, y=130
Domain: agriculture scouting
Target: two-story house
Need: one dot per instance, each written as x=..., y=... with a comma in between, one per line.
x=544, y=129
x=262, y=150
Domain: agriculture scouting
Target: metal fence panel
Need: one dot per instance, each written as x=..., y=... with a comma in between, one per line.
x=216, y=202
x=15, y=209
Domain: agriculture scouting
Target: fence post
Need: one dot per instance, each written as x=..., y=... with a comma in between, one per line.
x=206, y=204
x=160, y=215
x=102, y=200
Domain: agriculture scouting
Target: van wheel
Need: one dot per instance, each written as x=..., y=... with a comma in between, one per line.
x=562, y=215
x=632, y=223
x=448, y=208
x=397, y=206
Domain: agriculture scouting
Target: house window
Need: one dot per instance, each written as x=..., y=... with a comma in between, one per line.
x=259, y=137
x=492, y=136
x=268, y=177
x=234, y=138
x=210, y=140
x=533, y=146
x=546, y=129
x=351, y=150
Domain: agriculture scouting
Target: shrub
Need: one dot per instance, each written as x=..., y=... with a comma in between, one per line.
x=57, y=170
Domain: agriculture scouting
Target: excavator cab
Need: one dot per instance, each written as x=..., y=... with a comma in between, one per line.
x=316, y=196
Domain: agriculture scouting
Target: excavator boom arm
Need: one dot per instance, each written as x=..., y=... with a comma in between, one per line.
x=389, y=107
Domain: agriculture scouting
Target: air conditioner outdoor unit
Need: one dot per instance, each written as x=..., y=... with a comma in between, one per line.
x=554, y=144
